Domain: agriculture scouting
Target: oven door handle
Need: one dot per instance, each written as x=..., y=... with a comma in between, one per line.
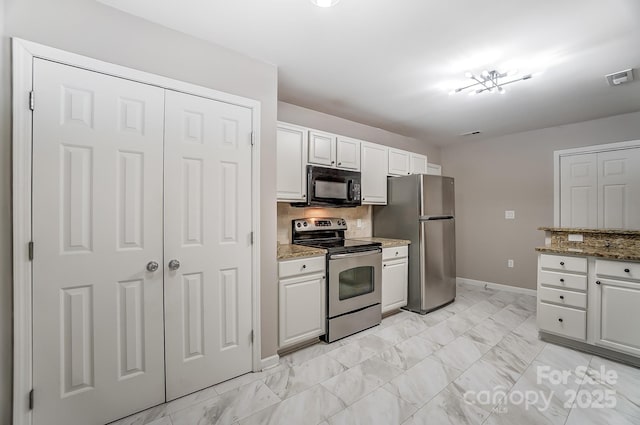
x=354, y=254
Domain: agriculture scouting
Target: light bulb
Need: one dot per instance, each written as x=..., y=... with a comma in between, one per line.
x=501, y=90
x=485, y=73
x=468, y=74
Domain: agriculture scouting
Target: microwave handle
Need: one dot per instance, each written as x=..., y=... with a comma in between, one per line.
x=350, y=190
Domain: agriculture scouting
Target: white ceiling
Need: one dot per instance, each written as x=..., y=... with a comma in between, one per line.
x=391, y=63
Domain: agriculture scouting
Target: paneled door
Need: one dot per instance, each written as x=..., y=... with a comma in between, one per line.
x=619, y=189
x=207, y=242
x=97, y=229
x=578, y=191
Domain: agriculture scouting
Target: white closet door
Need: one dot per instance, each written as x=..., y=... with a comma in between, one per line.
x=207, y=229
x=578, y=191
x=619, y=189
x=97, y=222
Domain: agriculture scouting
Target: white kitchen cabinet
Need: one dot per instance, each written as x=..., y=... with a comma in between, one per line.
x=302, y=300
x=399, y=162
x=395, y=275
x=374, y=173
x=600, y=189
x=348, y=153
x=434, y=169
x=616, y=296
x=291, y=158
x=322, y=148
x=419, y=164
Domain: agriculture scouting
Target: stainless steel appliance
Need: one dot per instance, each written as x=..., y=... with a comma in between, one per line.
x=421, y=208
x=331, y=187
x=354, y=275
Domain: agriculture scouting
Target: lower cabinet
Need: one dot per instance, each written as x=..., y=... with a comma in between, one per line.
x=395, y=273
x=302, y=300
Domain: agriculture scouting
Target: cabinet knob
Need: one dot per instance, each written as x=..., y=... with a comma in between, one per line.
x=396, y=253
x=598, y=282
x=562, y=263
x=384, y=265
x=561, y=280
x=304, y=266
x=339, y=163
x=627, y=270
x=562, y=297
x=333, y=162
x=304, y=196
x=560, y=320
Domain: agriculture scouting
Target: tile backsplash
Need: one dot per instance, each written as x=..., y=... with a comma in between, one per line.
x=286, y=213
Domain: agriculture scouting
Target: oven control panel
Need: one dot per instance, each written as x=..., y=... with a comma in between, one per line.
x=320, y=223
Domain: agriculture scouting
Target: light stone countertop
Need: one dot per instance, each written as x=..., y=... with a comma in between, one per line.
x=289, y=252
x=613, y=254
x=386, y=242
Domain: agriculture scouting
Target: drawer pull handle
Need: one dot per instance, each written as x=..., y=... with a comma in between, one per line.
x=398, y=253
x=562, y=297
x=560, y=320
x=562, y=263
x=561, y=280
x=598, y=282
x=627, y=270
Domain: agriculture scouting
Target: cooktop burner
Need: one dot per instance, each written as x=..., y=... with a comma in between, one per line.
x=327, y=233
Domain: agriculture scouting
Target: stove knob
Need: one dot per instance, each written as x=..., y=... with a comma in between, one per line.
x=304, y=224
x=298, y=224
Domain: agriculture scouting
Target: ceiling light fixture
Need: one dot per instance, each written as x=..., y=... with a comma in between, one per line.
x=325, y=3
x=490, y=81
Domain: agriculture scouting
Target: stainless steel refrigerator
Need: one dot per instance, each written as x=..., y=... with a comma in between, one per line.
x=420, y=208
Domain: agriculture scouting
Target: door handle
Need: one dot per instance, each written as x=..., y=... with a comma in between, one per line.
x=152, y=266
x=174, y=265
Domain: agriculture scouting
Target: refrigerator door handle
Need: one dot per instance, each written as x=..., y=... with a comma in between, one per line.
x=435, y=217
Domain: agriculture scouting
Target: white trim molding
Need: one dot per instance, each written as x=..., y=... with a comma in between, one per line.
x=23, y=54
x=497, y=286
x=631, y=144
x=270, y=362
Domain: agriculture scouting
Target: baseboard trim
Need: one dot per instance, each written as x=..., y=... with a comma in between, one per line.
x=269, y=362
x=498, y=286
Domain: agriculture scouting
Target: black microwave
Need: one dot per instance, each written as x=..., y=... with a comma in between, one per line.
x=330, y=187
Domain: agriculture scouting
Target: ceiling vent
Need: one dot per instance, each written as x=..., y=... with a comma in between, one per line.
x=621, y=77
x=471, y=133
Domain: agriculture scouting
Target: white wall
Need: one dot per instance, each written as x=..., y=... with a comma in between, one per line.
x=515, y=172
x=309, y=118
x=93, y=29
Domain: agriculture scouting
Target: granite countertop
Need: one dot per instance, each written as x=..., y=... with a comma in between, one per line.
x=289, y=252
x=589, y=230
x=614, y=254
x=386, y=242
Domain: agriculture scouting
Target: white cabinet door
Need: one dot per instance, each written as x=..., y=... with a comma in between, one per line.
x=578, y=191
x=97, y=222
x=322, y=148
x=617, y=314
x=302, y=308
x=394, y=284
x=419, y=164
x=374, y=174
x=348, y=153
x=399, y=164
x=291, y=160
x=619, y=189
x=434, y=169
x=207, y=229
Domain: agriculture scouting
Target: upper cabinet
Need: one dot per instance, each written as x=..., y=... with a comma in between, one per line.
x=329, y=150
x=419, y=164
x=374, y=173
x=399, y=162
x=434, y=169
x=599, y=189
x=291, y=147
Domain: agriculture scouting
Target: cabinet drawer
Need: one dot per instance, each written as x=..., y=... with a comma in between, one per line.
x=562, y=321
x=301, y=266
x=564, y=263
x=623, y=269
x=562, y=280
x=395, y=252
x=559, y=296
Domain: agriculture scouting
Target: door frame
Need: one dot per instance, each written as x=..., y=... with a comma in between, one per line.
x=23, y=54
x=579, y=151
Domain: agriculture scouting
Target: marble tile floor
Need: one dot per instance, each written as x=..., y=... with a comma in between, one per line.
x=477, y=361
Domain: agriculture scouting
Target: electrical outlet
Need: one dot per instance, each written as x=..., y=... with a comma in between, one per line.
x=510, y=263
x=509, y=214
x=359, y=223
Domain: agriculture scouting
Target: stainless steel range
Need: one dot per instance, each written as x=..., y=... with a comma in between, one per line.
x=354, y=275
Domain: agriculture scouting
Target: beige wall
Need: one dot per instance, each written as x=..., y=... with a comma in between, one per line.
x=309, y=118
x=92, y=29
x=515, y=172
